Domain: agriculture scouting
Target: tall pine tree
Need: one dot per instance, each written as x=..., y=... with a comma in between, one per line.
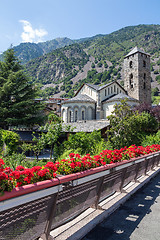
x=17, y=104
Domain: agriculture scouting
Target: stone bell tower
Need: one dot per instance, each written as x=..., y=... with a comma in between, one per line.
x=137, y=75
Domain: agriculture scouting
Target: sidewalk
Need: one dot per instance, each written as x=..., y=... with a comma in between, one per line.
x=137, y=219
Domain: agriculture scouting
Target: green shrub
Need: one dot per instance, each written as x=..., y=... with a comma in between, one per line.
x=83, y=142
x=151, y=139
x=9, y=140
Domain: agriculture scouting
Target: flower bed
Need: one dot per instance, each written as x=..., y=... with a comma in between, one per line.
x=10, y=178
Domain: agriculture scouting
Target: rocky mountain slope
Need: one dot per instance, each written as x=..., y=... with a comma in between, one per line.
x=97, y=60
x=28, y=51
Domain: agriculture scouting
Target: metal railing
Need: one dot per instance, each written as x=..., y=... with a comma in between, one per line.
x=32, y=212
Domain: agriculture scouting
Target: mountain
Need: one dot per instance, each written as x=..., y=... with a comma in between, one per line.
x=28, y=51
x=60, y=66
x=97, y=60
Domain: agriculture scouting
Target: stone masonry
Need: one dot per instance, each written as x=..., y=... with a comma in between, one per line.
x=137, y=76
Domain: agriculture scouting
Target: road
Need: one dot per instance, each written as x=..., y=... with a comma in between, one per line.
x=137, y=219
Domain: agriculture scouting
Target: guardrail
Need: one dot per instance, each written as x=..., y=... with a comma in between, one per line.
x=32, y=211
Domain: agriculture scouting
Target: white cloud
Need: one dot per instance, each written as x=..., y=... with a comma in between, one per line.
x=32, y=35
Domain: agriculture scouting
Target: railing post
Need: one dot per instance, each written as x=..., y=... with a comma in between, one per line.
x=137, y=170
x=146, y=166
x=123, y=179
x=46, y=234
x=158, y=159
x=100, y=183
x=154, y=162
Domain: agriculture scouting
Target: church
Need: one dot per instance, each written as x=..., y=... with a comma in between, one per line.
x=93, y=102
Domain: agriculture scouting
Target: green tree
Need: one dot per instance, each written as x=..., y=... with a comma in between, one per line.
x=53, y=130
x=9, y=140
x=129, y=127
x=17, y=105
x=83, y=143
x=154, y=91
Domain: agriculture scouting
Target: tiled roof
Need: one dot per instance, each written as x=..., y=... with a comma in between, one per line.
x=80, y=98
x=135, y=50
x=87, y=126
x=97, y=87
x=121, y=96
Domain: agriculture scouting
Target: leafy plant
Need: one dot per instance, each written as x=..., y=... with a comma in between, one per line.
x=128, y=127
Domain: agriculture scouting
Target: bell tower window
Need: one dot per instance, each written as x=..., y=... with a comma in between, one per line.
x=130, y=64
x=144, y=63
x=131, y=80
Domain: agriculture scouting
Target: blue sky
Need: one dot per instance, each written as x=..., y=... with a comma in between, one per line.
x=42, y=20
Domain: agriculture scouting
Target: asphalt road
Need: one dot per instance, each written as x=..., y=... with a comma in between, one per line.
x=137, y=219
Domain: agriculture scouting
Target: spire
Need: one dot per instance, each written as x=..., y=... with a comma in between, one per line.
x=136, y=50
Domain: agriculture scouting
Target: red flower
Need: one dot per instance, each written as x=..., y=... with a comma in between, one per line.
x=42, y=172
x=20, y=168
x=78, y=164
x=71, y=155
x=72, y=165
x=3, y=176
x=1, y=162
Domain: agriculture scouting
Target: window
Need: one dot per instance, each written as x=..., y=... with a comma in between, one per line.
x=114, y=88
x=144, y=63
x=70, y=115
x=108, y=91
x=76, y=116
x=117, y=90
x=83, y=115
x=130, y=64
x=131, y=80
x=144, y=85
x=111, y=90
x=105, y=92
x=144, y=76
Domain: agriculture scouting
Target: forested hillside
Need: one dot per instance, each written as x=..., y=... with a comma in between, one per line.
x=97, y=60
x=28, y=51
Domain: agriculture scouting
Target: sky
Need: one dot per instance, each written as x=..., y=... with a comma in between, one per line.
x=42, y=20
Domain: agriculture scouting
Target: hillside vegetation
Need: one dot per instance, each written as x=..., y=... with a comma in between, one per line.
x=28, y=51
x=97, y=60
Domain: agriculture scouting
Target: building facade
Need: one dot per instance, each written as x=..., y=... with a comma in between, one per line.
x=93, y=102
x=137, y=75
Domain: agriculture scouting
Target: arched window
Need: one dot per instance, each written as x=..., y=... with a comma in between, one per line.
x=76, y=116
x=114, y=88
x=82, y=114
x=70, y=116
x=130, y=64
